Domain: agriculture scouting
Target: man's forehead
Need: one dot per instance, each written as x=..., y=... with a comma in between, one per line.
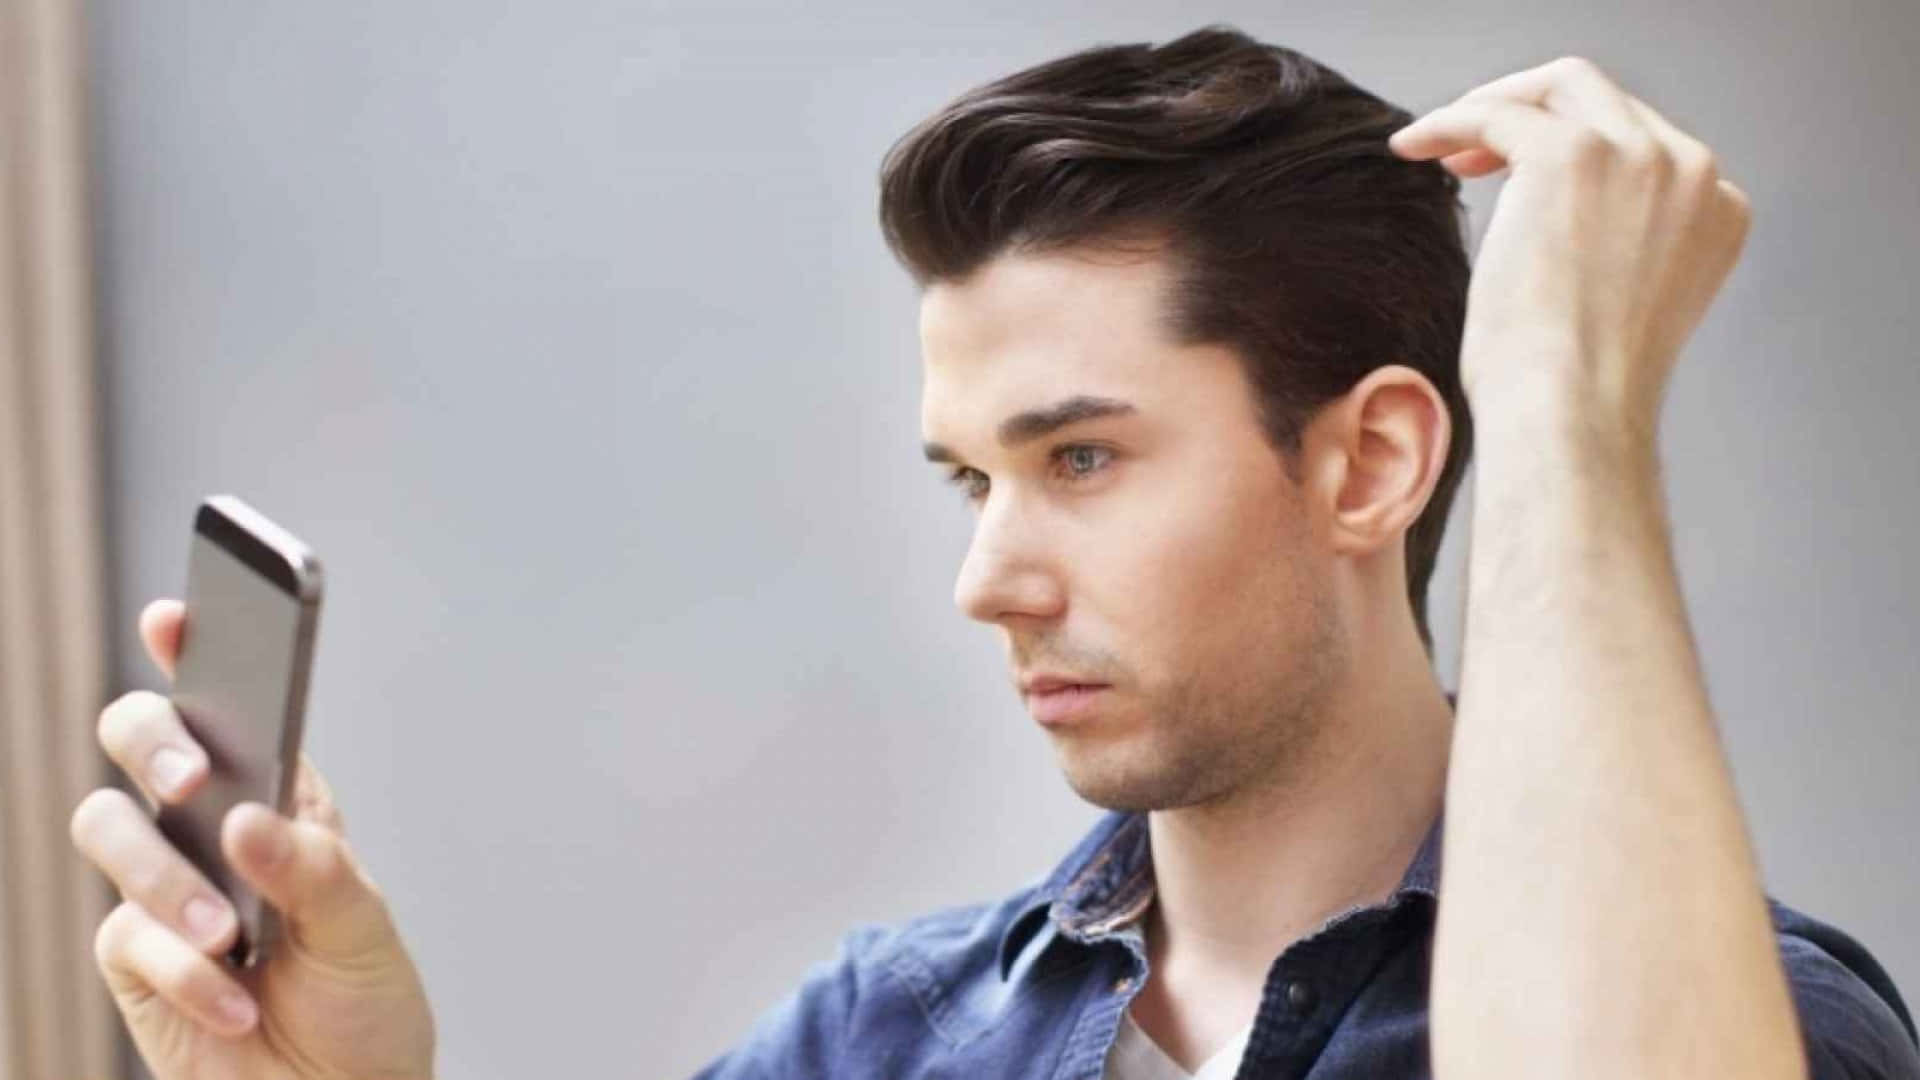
x=1060, y=299
x=1028, y=329
x=967, y=396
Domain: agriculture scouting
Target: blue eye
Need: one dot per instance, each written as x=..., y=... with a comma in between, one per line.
x=1081, y=460
x=1073, y=462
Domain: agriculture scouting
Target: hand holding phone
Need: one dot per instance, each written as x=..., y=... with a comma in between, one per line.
x=346, y=1002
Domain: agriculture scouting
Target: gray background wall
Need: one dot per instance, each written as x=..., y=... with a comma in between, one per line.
x=566, y=334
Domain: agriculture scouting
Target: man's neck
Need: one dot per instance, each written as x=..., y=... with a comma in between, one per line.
x=1238, y=881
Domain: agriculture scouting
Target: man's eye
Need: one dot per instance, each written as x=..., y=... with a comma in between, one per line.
x=1076, y=461
x=971, y=482
x=1080, y=460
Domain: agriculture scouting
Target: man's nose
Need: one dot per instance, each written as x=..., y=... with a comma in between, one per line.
x=1006, y=571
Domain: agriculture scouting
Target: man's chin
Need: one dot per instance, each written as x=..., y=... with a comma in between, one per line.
x=1134, y=774
x=1128, y=790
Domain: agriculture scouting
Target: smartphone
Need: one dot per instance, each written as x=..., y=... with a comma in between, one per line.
x=240, y=685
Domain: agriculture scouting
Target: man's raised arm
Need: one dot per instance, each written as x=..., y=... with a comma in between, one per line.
x=1601, y=909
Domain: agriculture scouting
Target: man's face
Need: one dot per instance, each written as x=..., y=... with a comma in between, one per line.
x=1134, y=528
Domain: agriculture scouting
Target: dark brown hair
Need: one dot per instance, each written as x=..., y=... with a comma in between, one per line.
x=1300, y=240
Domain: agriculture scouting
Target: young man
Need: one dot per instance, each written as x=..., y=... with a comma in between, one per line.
x=1199, y=348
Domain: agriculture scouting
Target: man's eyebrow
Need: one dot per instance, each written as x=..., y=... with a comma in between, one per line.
x=1027, y=426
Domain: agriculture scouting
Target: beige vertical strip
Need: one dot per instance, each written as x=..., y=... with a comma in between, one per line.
x=25, y=899
x=55, y=1019
x=77, y=562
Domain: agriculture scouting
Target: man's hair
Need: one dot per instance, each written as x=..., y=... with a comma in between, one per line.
x=1298, y=238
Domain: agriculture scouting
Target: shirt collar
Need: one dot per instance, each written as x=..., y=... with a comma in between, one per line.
x=1107, y=881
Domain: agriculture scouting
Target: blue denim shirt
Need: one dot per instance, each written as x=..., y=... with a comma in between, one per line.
x=1033, y=986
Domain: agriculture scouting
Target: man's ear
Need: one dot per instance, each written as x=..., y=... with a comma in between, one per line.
x=1377, y=452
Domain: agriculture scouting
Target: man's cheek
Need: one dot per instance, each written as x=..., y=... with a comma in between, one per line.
x=1177, y=526
x=1200, y=560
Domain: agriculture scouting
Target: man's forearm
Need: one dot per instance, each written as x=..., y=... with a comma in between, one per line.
x=1601, y=909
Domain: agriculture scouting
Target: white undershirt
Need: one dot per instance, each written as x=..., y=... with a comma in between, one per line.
x=1135, y=1056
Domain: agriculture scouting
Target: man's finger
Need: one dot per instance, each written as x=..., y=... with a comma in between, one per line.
x=1573, y=87
x=313, y=799
x=307, y=871
x=1513, y=131
x=1696, y=157
x=139, y=956
x=116, y=836
x=160, y=624
x=1685, y=149
x=143, y=734
x=1473, y=163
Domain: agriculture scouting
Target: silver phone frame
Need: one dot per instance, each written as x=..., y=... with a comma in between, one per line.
x=259, y=921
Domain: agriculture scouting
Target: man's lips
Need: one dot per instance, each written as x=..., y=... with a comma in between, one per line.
x=1055, y=699
x=1042, y=684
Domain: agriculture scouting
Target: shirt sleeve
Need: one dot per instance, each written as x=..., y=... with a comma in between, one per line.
x=803, y=1034
x=1851, y=1031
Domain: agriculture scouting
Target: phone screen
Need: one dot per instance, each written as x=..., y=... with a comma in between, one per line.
x=240, y=683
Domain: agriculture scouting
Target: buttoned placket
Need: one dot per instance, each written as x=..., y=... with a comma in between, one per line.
x=1309, y=986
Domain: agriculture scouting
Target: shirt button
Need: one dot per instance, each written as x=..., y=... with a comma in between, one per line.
x=1300, y=996
x=1121, y=986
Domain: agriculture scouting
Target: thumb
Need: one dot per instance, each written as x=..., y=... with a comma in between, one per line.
x=328, y=905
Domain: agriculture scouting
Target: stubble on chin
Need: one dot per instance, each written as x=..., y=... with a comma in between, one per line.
x=1214, y=741
x=1188, y=753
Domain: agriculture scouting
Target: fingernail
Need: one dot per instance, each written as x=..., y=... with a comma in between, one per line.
x=206, y=920
x=170, y=770
x=238, y=1009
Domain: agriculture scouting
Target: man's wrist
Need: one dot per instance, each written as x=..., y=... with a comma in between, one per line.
x=1548, y=414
